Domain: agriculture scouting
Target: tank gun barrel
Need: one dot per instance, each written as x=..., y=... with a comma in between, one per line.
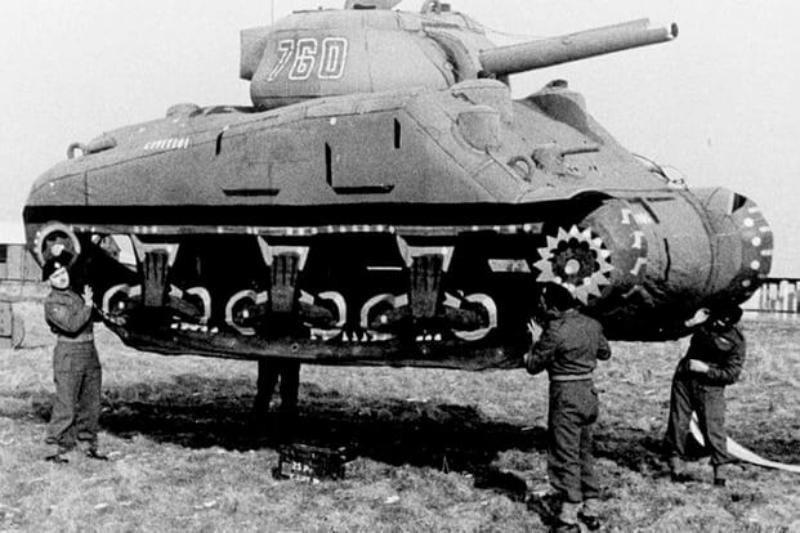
x=543, y=53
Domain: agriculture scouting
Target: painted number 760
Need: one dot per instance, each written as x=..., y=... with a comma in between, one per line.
x=324, y=58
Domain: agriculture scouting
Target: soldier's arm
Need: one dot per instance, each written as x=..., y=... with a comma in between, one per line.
x=730, y=369
x=681, y=327
x=68, y=318
x=604, y=349
x=542, y=352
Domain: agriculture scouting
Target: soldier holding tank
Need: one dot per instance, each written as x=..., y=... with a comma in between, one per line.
x=568, y=350
x=76, y=367
x=713, y=361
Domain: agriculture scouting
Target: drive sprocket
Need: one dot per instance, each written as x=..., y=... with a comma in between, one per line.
x=576, y=259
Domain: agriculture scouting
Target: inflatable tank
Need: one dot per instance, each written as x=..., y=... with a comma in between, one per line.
x=384, y=201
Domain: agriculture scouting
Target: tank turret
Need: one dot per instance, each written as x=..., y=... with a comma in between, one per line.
x=368, y=47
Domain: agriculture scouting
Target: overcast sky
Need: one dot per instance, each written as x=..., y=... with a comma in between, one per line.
x=719, y=103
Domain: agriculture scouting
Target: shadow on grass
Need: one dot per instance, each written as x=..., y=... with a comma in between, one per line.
x=634, y=449
x=198, y=412
x=643, y=452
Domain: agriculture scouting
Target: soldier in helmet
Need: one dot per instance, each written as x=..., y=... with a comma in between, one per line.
x=714, y=360
x=568, y=350
x=76, y=367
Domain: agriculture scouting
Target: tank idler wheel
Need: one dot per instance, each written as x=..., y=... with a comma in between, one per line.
x=54, y=238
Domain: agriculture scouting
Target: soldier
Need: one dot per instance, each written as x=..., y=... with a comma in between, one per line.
x=714, y=360
x=76, y=367
x=568, y=349
x=269, y=372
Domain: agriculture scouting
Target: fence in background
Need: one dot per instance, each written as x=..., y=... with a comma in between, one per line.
x=776, y=295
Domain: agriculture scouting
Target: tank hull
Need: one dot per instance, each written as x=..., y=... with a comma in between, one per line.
x=411, y=227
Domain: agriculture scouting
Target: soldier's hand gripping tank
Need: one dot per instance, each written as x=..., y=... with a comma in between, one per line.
x=76, y=367
x=568, y=349
x=714, y=359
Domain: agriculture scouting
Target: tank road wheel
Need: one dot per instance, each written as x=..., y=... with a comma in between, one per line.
x=577, y=260
x=117, y=299
x=54, y=238
x=245, y=309
x=490, y=308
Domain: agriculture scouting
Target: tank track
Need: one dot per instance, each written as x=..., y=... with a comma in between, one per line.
x=445, y=296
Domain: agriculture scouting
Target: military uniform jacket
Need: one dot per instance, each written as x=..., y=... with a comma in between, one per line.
x=68, y=316
x=723, y=351
x=570, y=345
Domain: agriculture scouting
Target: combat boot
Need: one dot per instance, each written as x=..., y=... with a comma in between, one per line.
x=94, y=453
x=565, y=527
x=677, y=470
x=720, y=475
x=567, y=521
x=589, y=515
x=547, y=505
x=59, y=457
x=56, y=458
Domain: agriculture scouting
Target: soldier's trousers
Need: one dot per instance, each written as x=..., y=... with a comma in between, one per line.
x=78, y=380
x=689, y=394
x=572, y=412
x=268, y=374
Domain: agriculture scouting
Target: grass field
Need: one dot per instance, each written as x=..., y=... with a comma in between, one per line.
x=435, y=450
